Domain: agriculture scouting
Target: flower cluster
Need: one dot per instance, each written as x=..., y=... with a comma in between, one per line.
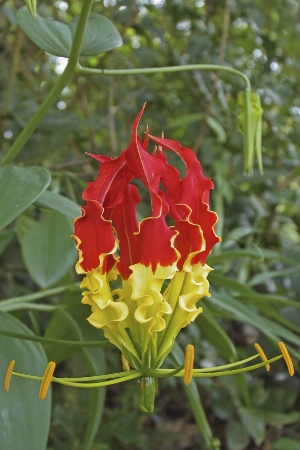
x=160, y=261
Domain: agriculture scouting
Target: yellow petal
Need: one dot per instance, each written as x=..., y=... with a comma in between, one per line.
x=147, y=304
x=191, y=285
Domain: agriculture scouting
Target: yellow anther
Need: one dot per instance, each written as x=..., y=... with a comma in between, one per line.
x=8, y=375
x=189, y=363
x=125, y=363
x=262, y=355
x=46, y=380
x=287, y=358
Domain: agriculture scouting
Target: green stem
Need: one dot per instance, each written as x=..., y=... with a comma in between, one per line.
x=45, y=340
x=7, y=303
x=28, y=306
x=197, y=408
x=150, y=70
x=61, y=82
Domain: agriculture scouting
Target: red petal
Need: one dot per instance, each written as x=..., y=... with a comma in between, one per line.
x=192, y=191
x=109, y=170
x=126, y=224
x=148, y=168
x=95, y=237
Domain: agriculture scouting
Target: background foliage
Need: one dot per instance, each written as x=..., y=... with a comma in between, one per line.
x=255, y=285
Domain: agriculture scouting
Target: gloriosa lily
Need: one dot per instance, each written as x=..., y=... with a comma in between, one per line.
x=159, y=263
x=162, y=267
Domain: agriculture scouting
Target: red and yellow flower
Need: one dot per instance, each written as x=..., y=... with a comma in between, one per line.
x=159, y=260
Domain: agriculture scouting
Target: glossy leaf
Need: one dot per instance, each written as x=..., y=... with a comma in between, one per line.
x=56, y=37
x=19, y=187
x=25, y=419
x=48, y=252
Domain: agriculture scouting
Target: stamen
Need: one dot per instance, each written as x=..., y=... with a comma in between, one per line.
x=262, y=355
x=189, y=363
x=125, y=363
x=8, y=375
x=46, y=380
x=287, y=358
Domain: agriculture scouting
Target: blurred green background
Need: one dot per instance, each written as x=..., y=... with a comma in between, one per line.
x=255, y=285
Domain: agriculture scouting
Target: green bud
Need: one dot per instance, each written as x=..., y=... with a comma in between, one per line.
x=249, y=124
x=31, y=5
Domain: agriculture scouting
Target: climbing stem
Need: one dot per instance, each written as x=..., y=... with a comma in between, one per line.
x=150, y=70
x=61, y=82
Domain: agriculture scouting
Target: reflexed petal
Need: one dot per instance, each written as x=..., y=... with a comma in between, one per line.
x=92, y=227
x=148, y=305
x=192, y=286
x=179, y=194
x=107, y=314
x=148, y=243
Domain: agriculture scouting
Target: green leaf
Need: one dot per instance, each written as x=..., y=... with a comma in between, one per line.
x=195, y=403
x=25, y=419
x=215, y=334
x=218, y=279
x=19, y=187
x=245, y=314
x=264, y=276
x=59, y=203
x=253, y=422
x=52, y=36
x=56, y=37
x=236, y=436
x=47, y=249
x=286, y=443
x=100, y=35
x=97, y=366
x=5, y=238
x=235, y=235
x=185, y=119
x=217, y=128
